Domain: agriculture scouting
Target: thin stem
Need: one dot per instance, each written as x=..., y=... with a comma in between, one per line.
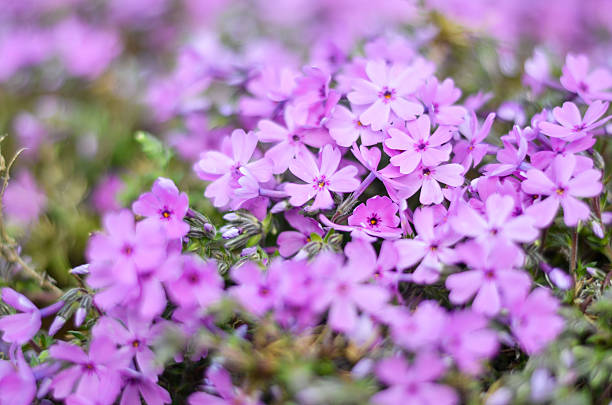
x=574, y=254
x=364, y=184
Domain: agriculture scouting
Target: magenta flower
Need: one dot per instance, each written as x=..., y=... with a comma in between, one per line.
x=470, y=151
x=378, y=216
x=257, y=291
x=588, y=85
x=418, y=330
x=491, y=278
x=165, y=205
x=17, y=381
x=23, y=201
x=222, y=384
x=438, y=99
x=105, y=196
x=419, y=145
x=139, y=385
x=320, y=179
x=125, y=247
x=19, y=328
x=431, y=247
x=344, y=126
x=428, y=180
x=511, y=158
x=561, y=186
x=497, y=224
x=89, y=371
x=467, y=339
x=199, y=283
x=414, y=383
x=289, y=242
x=534, y=320
x=224, y=168
x=290, y=140
x=573, y=126
x=389, y=88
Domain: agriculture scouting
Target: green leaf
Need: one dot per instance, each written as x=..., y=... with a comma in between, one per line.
x=153, y=148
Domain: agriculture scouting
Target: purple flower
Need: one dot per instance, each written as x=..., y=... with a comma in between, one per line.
x=378, y=216
x=534, y=320
x=573, y=126
x=17, y=381
x=257, y=290
x=467, y=339
x=498, y=224
x=419, y=145
x=289, y=242
x=428, y=180
x=491, y=278
x=199, y=283
x=389, y=88
x=419, y=330
x=166, y=206
x=19, y=328
x=89, y=371
x=320, y=179
x=139, y=385
x=588, y=85
x=414, y=383
x=105, y=195
x=561, y=186
x=23, y=201
x=432, y=248
x=344, y=126
x=224, y=170
x=439, y=98
x=222, y=383
x=292, y=140
x=511, y=158
x=470, y=151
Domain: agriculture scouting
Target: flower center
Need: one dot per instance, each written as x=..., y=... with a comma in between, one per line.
x=166, y=213
x=387, y=94
x=193, y=278
x=136, y=343
x=264, y=291
x=560, y=191
x=426, y=172
x=489, y=274
x=295, y=138
x=374, y=220
x=320, y=183
x=127, y=250
x=420, y=147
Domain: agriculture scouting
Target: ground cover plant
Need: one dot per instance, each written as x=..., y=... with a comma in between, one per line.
x=305, y=202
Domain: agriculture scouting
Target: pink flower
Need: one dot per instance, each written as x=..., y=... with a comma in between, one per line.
x=199, y=283
x=534, y=320
x=344, y=126
x=222, y=382
x=289, y=242
x=320, y=179
x=224, y=170
x=428, y=180
x=257, y=290
x=388, y=89
x=413, y=384
x=470, y=151
x=491, y=278
x=166, y=206
x=23, y=200
x=438, y=99
x=17, y=381
x=419, y=145
x=19, y=328
x=418, y=330
x=561, y=186
x=290, y=140
x=431, y=248
x=511, y=158
x=498, y=224
x=377, y=215
x=590, y=86
x=573, y=126
x=105, y=196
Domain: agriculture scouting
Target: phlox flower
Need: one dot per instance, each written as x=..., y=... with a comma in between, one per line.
x=388, y=88
x=438, y=99
x=17, y=381
x=289, y=242
x=165, y=205
x=138, y=385
x=468, y=341
x=320, y=179
x=534, y=320
x=19, y=328
x=413, y=384
x=573, y=126
x=428, y=180
x=561, y=187
x=345, y=128
x=558, y=146
x=272, y=86
x=471, y=150
x=511, y=158
x=431, y=248
x=497, y=224
x=418, y=330
x=221, y=380
x=223, y=169
x=291, y=140
x=199, y=282
x=491, y=277
x=377, y=217
x=88, y=372
x=418, y=145
x=588, y=85
x=256, y=290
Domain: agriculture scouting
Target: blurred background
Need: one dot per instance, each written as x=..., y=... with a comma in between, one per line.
x=80, y=78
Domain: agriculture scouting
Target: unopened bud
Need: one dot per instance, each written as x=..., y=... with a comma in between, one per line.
x=56, y=325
